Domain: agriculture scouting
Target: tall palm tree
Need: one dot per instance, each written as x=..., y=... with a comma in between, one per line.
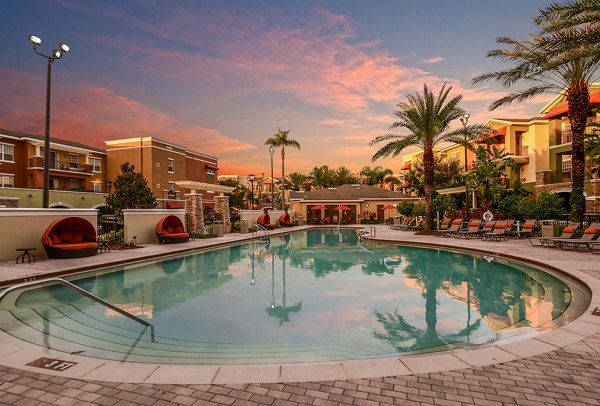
x=375, y=176
x=281, y=140
x=344, y=176
x=427, y=118
x=558, y=60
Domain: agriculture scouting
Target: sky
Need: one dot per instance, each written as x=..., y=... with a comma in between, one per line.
x=222, y=76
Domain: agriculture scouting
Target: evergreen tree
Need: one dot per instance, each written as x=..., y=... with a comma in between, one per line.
x=131, y=191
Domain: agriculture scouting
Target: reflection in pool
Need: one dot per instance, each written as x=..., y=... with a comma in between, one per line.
x=316, y=295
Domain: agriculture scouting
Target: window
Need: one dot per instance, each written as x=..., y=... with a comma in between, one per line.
x=170, y=164
x=171, y=187
x=73, y=160
x=210, y=171
x=7, y=152
x=97, y=187
x=7, y=180
x=73, y=184
x=96, y=164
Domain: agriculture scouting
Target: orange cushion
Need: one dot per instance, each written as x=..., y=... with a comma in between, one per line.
x=527, y=226
x=446, y=222
x=179, y=229
x=474, y=223
x=79, y=245
x=77, y=237
x=590, y=231
x=65, y=236
x=170, y=230
x=569, y=230
x=54, y=238
x=457, y=222
x=500, y=226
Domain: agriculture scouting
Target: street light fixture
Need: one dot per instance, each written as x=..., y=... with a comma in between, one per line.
x=251, y=178
x=272, y=151
x=57, y=53
x=464, y=120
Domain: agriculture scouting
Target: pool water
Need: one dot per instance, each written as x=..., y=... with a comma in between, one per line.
x=316, y=295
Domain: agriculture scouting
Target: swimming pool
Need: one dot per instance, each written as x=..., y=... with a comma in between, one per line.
x=316, y=295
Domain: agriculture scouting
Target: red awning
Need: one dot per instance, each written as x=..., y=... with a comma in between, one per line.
x=406, y=167
x=561, y=110
x=174, y=205
x=216, y=168
x=406, y=184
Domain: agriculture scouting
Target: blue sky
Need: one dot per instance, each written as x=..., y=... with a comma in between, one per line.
x=222, y=76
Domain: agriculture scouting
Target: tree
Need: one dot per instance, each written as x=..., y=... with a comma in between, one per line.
x=427, y=118
x=322, y=176
x=281, y=140
x=131, y=191
x=296, y=180
x=560, y=59
x=375, y=176
x=239, y=195
x=487, y=173
x=344, y=176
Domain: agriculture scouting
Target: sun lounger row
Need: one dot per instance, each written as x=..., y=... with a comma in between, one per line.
x=409, y=223
x=491, y=230
x=588, y=240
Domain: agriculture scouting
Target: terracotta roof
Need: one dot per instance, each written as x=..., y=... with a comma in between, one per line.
x=347, y=193
x=17, y=134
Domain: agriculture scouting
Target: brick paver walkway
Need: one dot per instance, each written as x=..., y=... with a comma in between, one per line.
x=568, y=376
x=565, y=377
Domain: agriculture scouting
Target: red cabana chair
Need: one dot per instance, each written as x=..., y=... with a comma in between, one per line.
x=70, y=237
x=265, y=221
x=169, y=230
x=285, y=221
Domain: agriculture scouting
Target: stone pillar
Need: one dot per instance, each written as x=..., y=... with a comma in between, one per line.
x=195, y=211
x=543, y=177
x=222, y=208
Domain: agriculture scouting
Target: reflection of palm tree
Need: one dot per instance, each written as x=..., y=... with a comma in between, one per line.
x=378, y=267
x=405, y=337
x=281, y=311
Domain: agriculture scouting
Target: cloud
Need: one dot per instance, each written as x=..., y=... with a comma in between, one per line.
x=91, y=115
x=435, y=59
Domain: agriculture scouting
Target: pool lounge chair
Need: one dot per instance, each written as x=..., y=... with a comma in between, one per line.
x=524, y=230
x=473, y=228
x=445, y=224
x=170, y=230
x=586, y=240
x=551, y=242
x=70, y=237
x=405, y=224
x=454, y=227
x=499, y=231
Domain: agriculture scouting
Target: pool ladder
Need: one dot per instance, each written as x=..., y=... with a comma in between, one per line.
x=85, y=293
x=369, y=230
x=262, y=229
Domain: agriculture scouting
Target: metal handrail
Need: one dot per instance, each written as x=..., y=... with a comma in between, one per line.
x=85, y=293
x=260, y=227
x=371, y=230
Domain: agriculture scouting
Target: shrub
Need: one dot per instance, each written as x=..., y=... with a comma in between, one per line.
x=509, y=206
x=545, y=205
x=419, y=210
x=443, y=204
x=406, y=207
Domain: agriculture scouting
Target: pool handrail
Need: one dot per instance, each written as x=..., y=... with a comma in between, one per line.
x=85, y=293
x=370, y=230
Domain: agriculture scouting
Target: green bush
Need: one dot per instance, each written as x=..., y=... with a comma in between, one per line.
x=406, y=207
x=368, y=221
x=545, y=205
x=443, y=204
x=113, y=237
x=509, y=206
x=235, y=226
x=419, y=210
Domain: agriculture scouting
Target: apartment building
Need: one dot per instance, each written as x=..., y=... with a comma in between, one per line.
x=163, y=164
x=73, y=167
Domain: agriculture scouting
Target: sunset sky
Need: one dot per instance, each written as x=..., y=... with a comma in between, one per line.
x=221, y=76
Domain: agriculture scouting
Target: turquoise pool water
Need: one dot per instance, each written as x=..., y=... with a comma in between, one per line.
x=316, y=295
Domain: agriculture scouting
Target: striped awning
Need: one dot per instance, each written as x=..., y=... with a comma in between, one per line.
x=211, y=187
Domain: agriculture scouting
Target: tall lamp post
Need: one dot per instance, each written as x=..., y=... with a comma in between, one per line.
x=251, y=178
x=272, y=151
x=464, y=120
x=57, y=53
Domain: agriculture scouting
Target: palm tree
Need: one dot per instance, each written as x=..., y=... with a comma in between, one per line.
x=296, y=180
x=560, y=60
x=322, y=176
x=281, y=140
x=427, y=118
x=486, y=176
x=375, y=176
x=344, y=176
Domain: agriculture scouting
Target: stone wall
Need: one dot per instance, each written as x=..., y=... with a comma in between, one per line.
x=195, y=211
x=222, y=209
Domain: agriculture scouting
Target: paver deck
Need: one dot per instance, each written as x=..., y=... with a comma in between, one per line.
x=561, y=369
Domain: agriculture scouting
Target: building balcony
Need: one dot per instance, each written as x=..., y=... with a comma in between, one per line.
x=38, y=163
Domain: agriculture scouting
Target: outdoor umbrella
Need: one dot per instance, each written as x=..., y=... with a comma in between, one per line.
x=318, y=207
x=341, y=207
x=388, y=207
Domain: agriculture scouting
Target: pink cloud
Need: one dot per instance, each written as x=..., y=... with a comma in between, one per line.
x=91, y=115
x=435, y=59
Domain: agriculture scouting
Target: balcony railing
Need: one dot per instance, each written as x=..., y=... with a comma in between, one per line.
x=566, y=135
x=61, y=165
